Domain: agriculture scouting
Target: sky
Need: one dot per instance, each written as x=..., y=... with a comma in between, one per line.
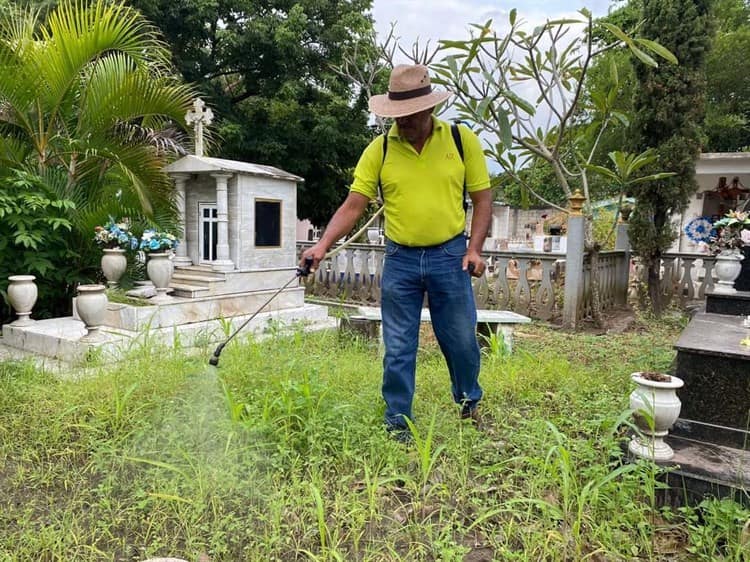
x=450, y=19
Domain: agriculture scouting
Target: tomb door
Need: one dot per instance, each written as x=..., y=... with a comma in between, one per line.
x=209, y=231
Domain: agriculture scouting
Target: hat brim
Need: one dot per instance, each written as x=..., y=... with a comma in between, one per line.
x=382, y=106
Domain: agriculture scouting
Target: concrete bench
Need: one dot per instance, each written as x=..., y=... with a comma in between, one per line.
x=489, y=322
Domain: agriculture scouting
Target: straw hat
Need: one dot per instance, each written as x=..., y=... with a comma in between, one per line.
x=409, y=91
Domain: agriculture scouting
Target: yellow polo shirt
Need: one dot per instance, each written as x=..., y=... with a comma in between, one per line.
x=423, y=191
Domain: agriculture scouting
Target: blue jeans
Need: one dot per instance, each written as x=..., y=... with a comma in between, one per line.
x=409, y=273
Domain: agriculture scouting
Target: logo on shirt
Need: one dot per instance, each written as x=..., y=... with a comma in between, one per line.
x=450, y=156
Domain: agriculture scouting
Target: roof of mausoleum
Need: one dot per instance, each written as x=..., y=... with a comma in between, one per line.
x=191, y=164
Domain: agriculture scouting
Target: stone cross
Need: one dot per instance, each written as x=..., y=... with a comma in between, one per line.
x=198, y=117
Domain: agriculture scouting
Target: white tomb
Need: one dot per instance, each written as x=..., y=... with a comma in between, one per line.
x=238, y=249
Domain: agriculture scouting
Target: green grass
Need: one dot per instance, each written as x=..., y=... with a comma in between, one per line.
x=279, y=454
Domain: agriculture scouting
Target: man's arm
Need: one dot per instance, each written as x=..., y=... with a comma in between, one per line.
x=342, y=222
x=480, y=223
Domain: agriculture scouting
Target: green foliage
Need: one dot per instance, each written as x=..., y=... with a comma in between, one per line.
x=550, y=64
x=281, y=452
x=728, y=99
x=90, y=105
x=267, y=69
x=34, y=234
x=669, y=109
x=727, y=121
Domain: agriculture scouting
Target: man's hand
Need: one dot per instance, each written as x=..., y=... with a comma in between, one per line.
x=476, y=260
x=317, y=253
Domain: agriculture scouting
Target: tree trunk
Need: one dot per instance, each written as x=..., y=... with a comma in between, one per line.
x=596, y=298
x=654, y=286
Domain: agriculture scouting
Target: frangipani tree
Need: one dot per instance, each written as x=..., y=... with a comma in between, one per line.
x=524, y=90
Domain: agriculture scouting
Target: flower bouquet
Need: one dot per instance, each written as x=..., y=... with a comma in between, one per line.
x=114, y=235
x=153, y=241
x=732, y=232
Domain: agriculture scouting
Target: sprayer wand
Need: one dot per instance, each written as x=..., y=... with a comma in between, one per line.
x=301, y=272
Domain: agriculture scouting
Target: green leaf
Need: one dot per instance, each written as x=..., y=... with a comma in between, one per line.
x=617, y=32
x=512, y=17
x=519, y=102
x=658, y=49
x=506, y=135
x=604, y=172
x=643, y=57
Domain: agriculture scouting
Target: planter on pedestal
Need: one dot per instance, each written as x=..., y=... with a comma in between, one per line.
x=22, y=294
x=114, y=264
x=160, y=269
x=728, y=266
x=91, y=306
x=656, y=408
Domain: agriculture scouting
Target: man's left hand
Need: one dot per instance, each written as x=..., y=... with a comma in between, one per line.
x=476, y=260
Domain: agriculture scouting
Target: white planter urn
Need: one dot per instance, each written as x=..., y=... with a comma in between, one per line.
x=373, y=235
x=114, y=264
x=727, y=268
x=22, y=295
x=91, y=306
x=160, y=269
x=656, y=408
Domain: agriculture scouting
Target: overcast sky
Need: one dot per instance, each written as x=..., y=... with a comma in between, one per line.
x=450, y=19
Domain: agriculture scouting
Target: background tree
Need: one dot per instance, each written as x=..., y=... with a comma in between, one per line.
x=267, y=69
x=727, y=123
x=524, y=89
x=668, y=110
x=88, y=109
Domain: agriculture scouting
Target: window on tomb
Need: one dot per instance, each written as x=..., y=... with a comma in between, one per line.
x=267, y=223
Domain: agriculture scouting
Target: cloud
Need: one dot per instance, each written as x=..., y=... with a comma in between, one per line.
x=451, y=19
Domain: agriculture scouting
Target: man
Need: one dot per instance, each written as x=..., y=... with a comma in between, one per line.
x=422, y=180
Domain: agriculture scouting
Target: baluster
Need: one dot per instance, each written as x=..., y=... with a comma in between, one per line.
x=376, y=282
x=667, y=281
x=501, y=288
x=545, y=296
x=364, y=276
x=523, y=292
x=349, y=280
x=481, y=291
x=687, y=281
x=708, y=276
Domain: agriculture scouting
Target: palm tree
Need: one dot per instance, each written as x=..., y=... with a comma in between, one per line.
x=90, y=106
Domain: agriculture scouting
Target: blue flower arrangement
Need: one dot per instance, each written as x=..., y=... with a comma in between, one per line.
x=153, y=241
x=700, y=229
x=114, y=235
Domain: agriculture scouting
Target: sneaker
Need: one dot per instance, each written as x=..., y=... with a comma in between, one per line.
x=400, y=434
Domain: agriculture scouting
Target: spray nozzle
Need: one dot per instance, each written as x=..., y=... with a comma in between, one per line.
x=304, y=271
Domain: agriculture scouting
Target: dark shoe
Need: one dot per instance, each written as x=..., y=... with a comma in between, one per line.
x=400, y=434
x=473, y=414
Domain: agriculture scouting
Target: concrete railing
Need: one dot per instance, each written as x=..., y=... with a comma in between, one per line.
x=527, y=282
x=686, y=276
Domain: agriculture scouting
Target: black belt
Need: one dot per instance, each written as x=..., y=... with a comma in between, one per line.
x=460, y=235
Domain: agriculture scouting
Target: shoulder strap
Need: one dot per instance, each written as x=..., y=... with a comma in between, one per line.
x=385, y=150
x=460, y=147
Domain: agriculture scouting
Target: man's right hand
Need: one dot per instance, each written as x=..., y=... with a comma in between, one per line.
x=317, y=253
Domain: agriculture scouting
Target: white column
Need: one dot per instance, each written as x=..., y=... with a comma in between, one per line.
x=181, y=258
x=222, y=262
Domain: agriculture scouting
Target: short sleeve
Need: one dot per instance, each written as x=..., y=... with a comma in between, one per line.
x=367, y=172
x=477, y=176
